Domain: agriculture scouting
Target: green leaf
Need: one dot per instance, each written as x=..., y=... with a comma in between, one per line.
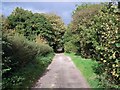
x=117, y=44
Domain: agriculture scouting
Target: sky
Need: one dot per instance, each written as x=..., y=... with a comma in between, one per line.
x=63, y=9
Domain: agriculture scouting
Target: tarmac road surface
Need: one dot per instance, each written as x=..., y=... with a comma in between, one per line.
x=62, y=73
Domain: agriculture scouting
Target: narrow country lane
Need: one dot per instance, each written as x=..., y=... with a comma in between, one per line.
x=62, y=73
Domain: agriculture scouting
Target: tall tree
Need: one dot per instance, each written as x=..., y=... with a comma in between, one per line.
x=29, y=24
x=58, y=30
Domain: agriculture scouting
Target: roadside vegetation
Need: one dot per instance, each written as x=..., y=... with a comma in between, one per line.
x=23, y=61
x=94, y=33
x=28, y=44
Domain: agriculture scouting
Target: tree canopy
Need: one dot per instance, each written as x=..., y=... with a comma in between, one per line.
x=49, y=27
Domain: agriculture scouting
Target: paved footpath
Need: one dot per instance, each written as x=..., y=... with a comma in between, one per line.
x=62, y=73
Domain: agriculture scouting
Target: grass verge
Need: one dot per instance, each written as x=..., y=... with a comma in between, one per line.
x=86, y=68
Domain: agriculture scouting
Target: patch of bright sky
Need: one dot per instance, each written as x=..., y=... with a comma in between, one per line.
x=63, y=9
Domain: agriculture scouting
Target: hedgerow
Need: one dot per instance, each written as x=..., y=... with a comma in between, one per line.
x=107, y=49
x=23, y=61
x=98, y=37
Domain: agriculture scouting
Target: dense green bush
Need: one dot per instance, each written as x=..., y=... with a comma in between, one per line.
x=99, y=38
x=107, y=49
x=21, y=58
